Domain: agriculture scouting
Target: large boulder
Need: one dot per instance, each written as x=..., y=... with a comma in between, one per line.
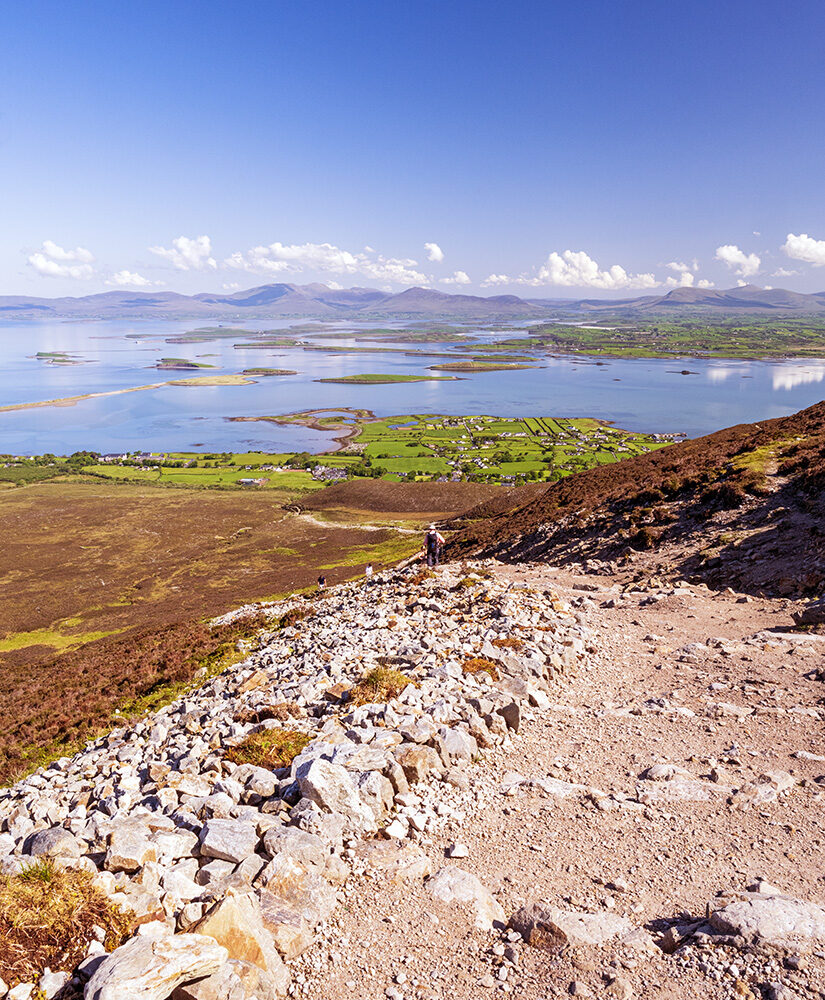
x=151, y=968
x=308, y=849
x=417, y=761
x=812, y=614
x=454, y=885
x=302, y=890
x=772, y=922
x=228, y=839
x=236, y=923
x=331, y=787
x=290, y=930
x=54, y=843
x=550, y=928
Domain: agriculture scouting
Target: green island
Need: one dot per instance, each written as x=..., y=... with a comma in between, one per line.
x=383, y=379
x=664, y=337
x=478, y=366
x=269, y=371
x=413, y=447
x=58, y=358
x=180, y=364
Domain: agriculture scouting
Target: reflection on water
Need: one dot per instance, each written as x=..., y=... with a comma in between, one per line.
x=790, y=375
x=640, y=394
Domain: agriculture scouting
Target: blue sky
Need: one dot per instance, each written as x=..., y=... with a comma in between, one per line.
x=544, y=148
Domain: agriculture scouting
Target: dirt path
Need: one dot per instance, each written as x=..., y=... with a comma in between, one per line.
x=685, y=677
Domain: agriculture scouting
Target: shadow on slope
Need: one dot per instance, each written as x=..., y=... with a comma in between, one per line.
x=742, y=507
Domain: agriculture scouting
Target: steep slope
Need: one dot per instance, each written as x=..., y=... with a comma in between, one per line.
x=742, y=507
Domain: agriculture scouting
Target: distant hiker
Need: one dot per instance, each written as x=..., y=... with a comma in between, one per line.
x=433, y=541
x=322, y=582
x=368, y=571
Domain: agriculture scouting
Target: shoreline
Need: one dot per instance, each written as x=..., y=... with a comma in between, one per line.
x=308, y=419
x=201, y=380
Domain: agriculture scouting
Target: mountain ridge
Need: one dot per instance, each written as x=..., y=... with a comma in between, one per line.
x=321, y=301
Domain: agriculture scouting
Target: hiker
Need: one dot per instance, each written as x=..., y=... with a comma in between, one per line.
x=368, y=571
x=433, y=541
x=322, y=582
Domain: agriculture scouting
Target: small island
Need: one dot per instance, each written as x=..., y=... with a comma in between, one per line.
x=57, y=358
x=180, y=364
x=269, y=371
x=385, y=379
x=478, y=366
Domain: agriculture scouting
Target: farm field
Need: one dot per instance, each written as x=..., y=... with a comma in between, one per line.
x=661, y=337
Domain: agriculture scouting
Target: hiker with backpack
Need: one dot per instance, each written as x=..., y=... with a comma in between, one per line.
x=433, y=542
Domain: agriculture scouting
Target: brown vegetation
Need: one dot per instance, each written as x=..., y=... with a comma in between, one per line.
x=48, y=917
x=379, y=685
x=269, y=748
x=49, y=710
x=479, y=664
x=766, y=477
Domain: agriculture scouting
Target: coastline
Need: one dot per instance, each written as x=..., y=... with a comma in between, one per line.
x=205, y=380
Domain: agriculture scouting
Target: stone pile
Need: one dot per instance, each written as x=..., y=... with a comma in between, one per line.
x=232, y=869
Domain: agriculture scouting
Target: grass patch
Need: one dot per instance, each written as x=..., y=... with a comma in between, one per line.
x=269, y=748
x=48, y=637
x=47, y=916
x=379, y=685
x=478, y=665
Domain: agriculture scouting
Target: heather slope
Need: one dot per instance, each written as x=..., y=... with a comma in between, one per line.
x=742, y=507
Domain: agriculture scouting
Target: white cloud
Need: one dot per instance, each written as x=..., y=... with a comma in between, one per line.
x=188, y=254
x=744, y=264
x=496, y=279
x=576, y=269
x=458, y=278
x=53, y=261
x=783, y=272
x=434, y=252
x=687, y=276
x=805, y=248
x=131, y=279
x=231, y=286
x=325, y=257
x=680, y=267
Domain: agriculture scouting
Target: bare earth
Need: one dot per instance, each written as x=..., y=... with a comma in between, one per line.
x=666, y=681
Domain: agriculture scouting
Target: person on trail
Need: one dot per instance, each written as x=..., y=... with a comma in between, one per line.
x=368, y=571
x=322, y=582
x=433, y=542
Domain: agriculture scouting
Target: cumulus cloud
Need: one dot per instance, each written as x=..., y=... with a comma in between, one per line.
x=53, y=261
x=458, y=278
x=686, y=276
x=576, y=269
x=680, y=266
x=805, y=248
x=744, y=264
x=496, y=279
x=783, y=272
x=187, y=254
x=277, y=258
x=129, y=279
x=434, y=252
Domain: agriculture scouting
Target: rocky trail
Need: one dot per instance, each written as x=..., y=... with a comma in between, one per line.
x=574, y=786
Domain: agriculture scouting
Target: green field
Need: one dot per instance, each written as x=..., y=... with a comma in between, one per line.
x=662, y=337
x=486, y=449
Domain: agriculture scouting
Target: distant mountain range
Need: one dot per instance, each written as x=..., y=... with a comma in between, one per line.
x=318, y=301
